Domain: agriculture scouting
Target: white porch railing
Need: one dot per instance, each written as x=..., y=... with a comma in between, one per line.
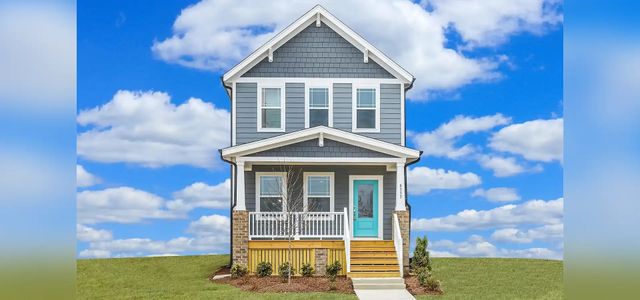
x=347, y=241
x=278, y=225
x=397, y=242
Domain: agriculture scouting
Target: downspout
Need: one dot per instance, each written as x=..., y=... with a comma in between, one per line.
x=406, y=189
x=232, y=200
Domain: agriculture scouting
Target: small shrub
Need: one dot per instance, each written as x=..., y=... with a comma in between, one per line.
x=420, y=257
x=284, y=271
x=238, y=271
x=433, y=284
x=307, y=270
x=423, y=275
x=264, y=269
x=333, y=270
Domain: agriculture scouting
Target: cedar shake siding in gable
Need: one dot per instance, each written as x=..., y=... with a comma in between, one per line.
x=330, y=148
x=246, y=111
x=318, y=52
x=341, y=184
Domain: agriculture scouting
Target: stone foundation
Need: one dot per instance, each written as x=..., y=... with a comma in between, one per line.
x=321, y=262
x=404, y=221
x=240, y=237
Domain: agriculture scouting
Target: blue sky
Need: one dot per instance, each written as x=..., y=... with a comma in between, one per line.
x=500, y=91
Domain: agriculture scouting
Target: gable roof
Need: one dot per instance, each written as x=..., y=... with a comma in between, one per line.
x=321, y=132
x=318, y=14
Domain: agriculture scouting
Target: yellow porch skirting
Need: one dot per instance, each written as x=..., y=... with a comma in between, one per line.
x=276, y=252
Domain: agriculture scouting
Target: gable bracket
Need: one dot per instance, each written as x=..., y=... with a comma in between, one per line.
x=271, y=54
x=366, y=56
x=318, y=19
x=321, y=140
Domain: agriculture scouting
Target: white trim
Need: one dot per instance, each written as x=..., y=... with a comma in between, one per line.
x=317, y=85
x=354, y=107
x=283, y=106
x=329, y=133
x=257, y=183
x=240, y=195
x=300, y=24
x=403, y=130
x=400, y=195
x=233, y=115
x=380, y=179
x=332, y=192
x=290, y=160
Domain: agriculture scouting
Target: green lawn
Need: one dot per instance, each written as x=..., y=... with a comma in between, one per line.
x=185, y=277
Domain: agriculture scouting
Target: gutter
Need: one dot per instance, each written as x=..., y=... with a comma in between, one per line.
x=232, y=200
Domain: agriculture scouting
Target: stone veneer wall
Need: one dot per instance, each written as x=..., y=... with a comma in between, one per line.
x=321, y=262
x=240, y=237
x=403, y=220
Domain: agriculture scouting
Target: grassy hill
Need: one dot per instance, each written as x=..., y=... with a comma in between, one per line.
x=185, y=277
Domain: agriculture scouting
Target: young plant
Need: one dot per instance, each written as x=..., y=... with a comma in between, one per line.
x=307, y=270
x=421, y=258
x=333, y=270
x=286, y=271
x=238, y=271
x=423, y=275
x=264, y=269
x=433, y=284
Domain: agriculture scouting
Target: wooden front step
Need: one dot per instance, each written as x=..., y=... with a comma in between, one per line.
x=368, y=254
x=374, y=261
x=373, y=274
x=372, y=244
x=373, y=268
x=383, y=249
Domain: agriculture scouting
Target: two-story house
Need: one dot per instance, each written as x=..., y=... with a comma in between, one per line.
x=320, y=100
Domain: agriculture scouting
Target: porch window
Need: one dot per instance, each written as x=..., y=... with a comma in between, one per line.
x=270, y=189
x=366, y=110
x=318, y=192
x=271, y=110
x=318, y=107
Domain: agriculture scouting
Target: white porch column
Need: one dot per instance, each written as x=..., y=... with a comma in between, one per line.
x=400, y=202
x=240, y=198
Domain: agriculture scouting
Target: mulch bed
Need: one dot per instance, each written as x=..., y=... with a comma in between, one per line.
x=222, y=271
x=414, y=287
x=298, y=284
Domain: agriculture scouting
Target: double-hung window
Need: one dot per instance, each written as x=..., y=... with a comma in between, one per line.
x=318, y=107
x=366, y=115
x=270, y=188
x=271, y=109
x=318, y=192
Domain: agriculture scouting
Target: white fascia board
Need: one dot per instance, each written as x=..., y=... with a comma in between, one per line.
x=329, y=133
x=334, y=23
x=321, y=160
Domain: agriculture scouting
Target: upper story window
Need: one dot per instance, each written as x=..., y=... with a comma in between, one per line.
x=271, y=109
x=318, y=107
x=270, y=188
x=318, y=192
x=366, y=111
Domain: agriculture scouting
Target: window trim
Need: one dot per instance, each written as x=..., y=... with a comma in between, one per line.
x=307, y=100
x=283, y=175
x=354, y=108
x=332, y=191
x=280, y=86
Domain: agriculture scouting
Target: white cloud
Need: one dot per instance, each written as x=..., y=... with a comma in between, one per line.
x=491, y=22
x=210, y=225
x=201, y=195
x=120, y=205
x=515, y=235
x=84, y=178
x=88, y=234
x=145, y=128
x=442, y=141
x=500, y=194
x=216, y=34
x=530, y=212
x=422, y=180
x=538, y=140
x=501, y=166
x=436, y=253
x=477, y=246
x=129, y=205
x=148, y=247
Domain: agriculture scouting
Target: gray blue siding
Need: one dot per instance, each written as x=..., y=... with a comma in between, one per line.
x=247, y=101
x=318, y=52
x=341, y=195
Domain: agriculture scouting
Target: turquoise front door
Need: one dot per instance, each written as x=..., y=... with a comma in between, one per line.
x=365, y=208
